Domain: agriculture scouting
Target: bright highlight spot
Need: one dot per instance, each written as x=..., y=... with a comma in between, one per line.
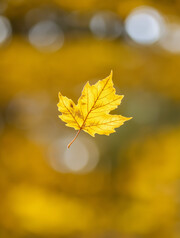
x=46, y=36
x=5, y=30
x=77, y=157
x=171, y=39
x=106, y=25
x=82, y=157
x=144, y=25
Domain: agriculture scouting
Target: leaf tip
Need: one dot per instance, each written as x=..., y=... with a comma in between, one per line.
x=59, y=95
x=129, y=118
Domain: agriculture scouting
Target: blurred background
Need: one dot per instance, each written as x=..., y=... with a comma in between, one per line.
x=126, y=185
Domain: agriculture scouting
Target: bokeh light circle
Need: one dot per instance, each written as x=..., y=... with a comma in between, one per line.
x=171, y=38
x=5, y=30
x=144, y=25
x=82, y=157
x=106, y=25
x=46, y=35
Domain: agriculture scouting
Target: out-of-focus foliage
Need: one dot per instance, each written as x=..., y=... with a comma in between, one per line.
x=152, y=185
x=125, y=185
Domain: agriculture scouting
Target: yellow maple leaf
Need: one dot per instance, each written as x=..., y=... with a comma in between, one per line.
x=91, y=114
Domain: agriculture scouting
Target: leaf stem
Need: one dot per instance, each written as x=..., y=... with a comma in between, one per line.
x=73, y=139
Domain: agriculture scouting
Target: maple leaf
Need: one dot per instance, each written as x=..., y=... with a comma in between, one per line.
x=91, y=114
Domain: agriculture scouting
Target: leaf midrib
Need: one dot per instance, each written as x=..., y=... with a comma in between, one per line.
x=94, y=104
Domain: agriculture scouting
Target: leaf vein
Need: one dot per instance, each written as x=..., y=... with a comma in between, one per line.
x=71, y=113
x=106, y=104
x=105, y=123
x=94, y=103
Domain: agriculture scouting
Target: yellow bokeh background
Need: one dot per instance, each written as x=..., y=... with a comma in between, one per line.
x=125, y=185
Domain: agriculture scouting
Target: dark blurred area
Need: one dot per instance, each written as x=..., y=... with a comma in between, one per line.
x=126, y=185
